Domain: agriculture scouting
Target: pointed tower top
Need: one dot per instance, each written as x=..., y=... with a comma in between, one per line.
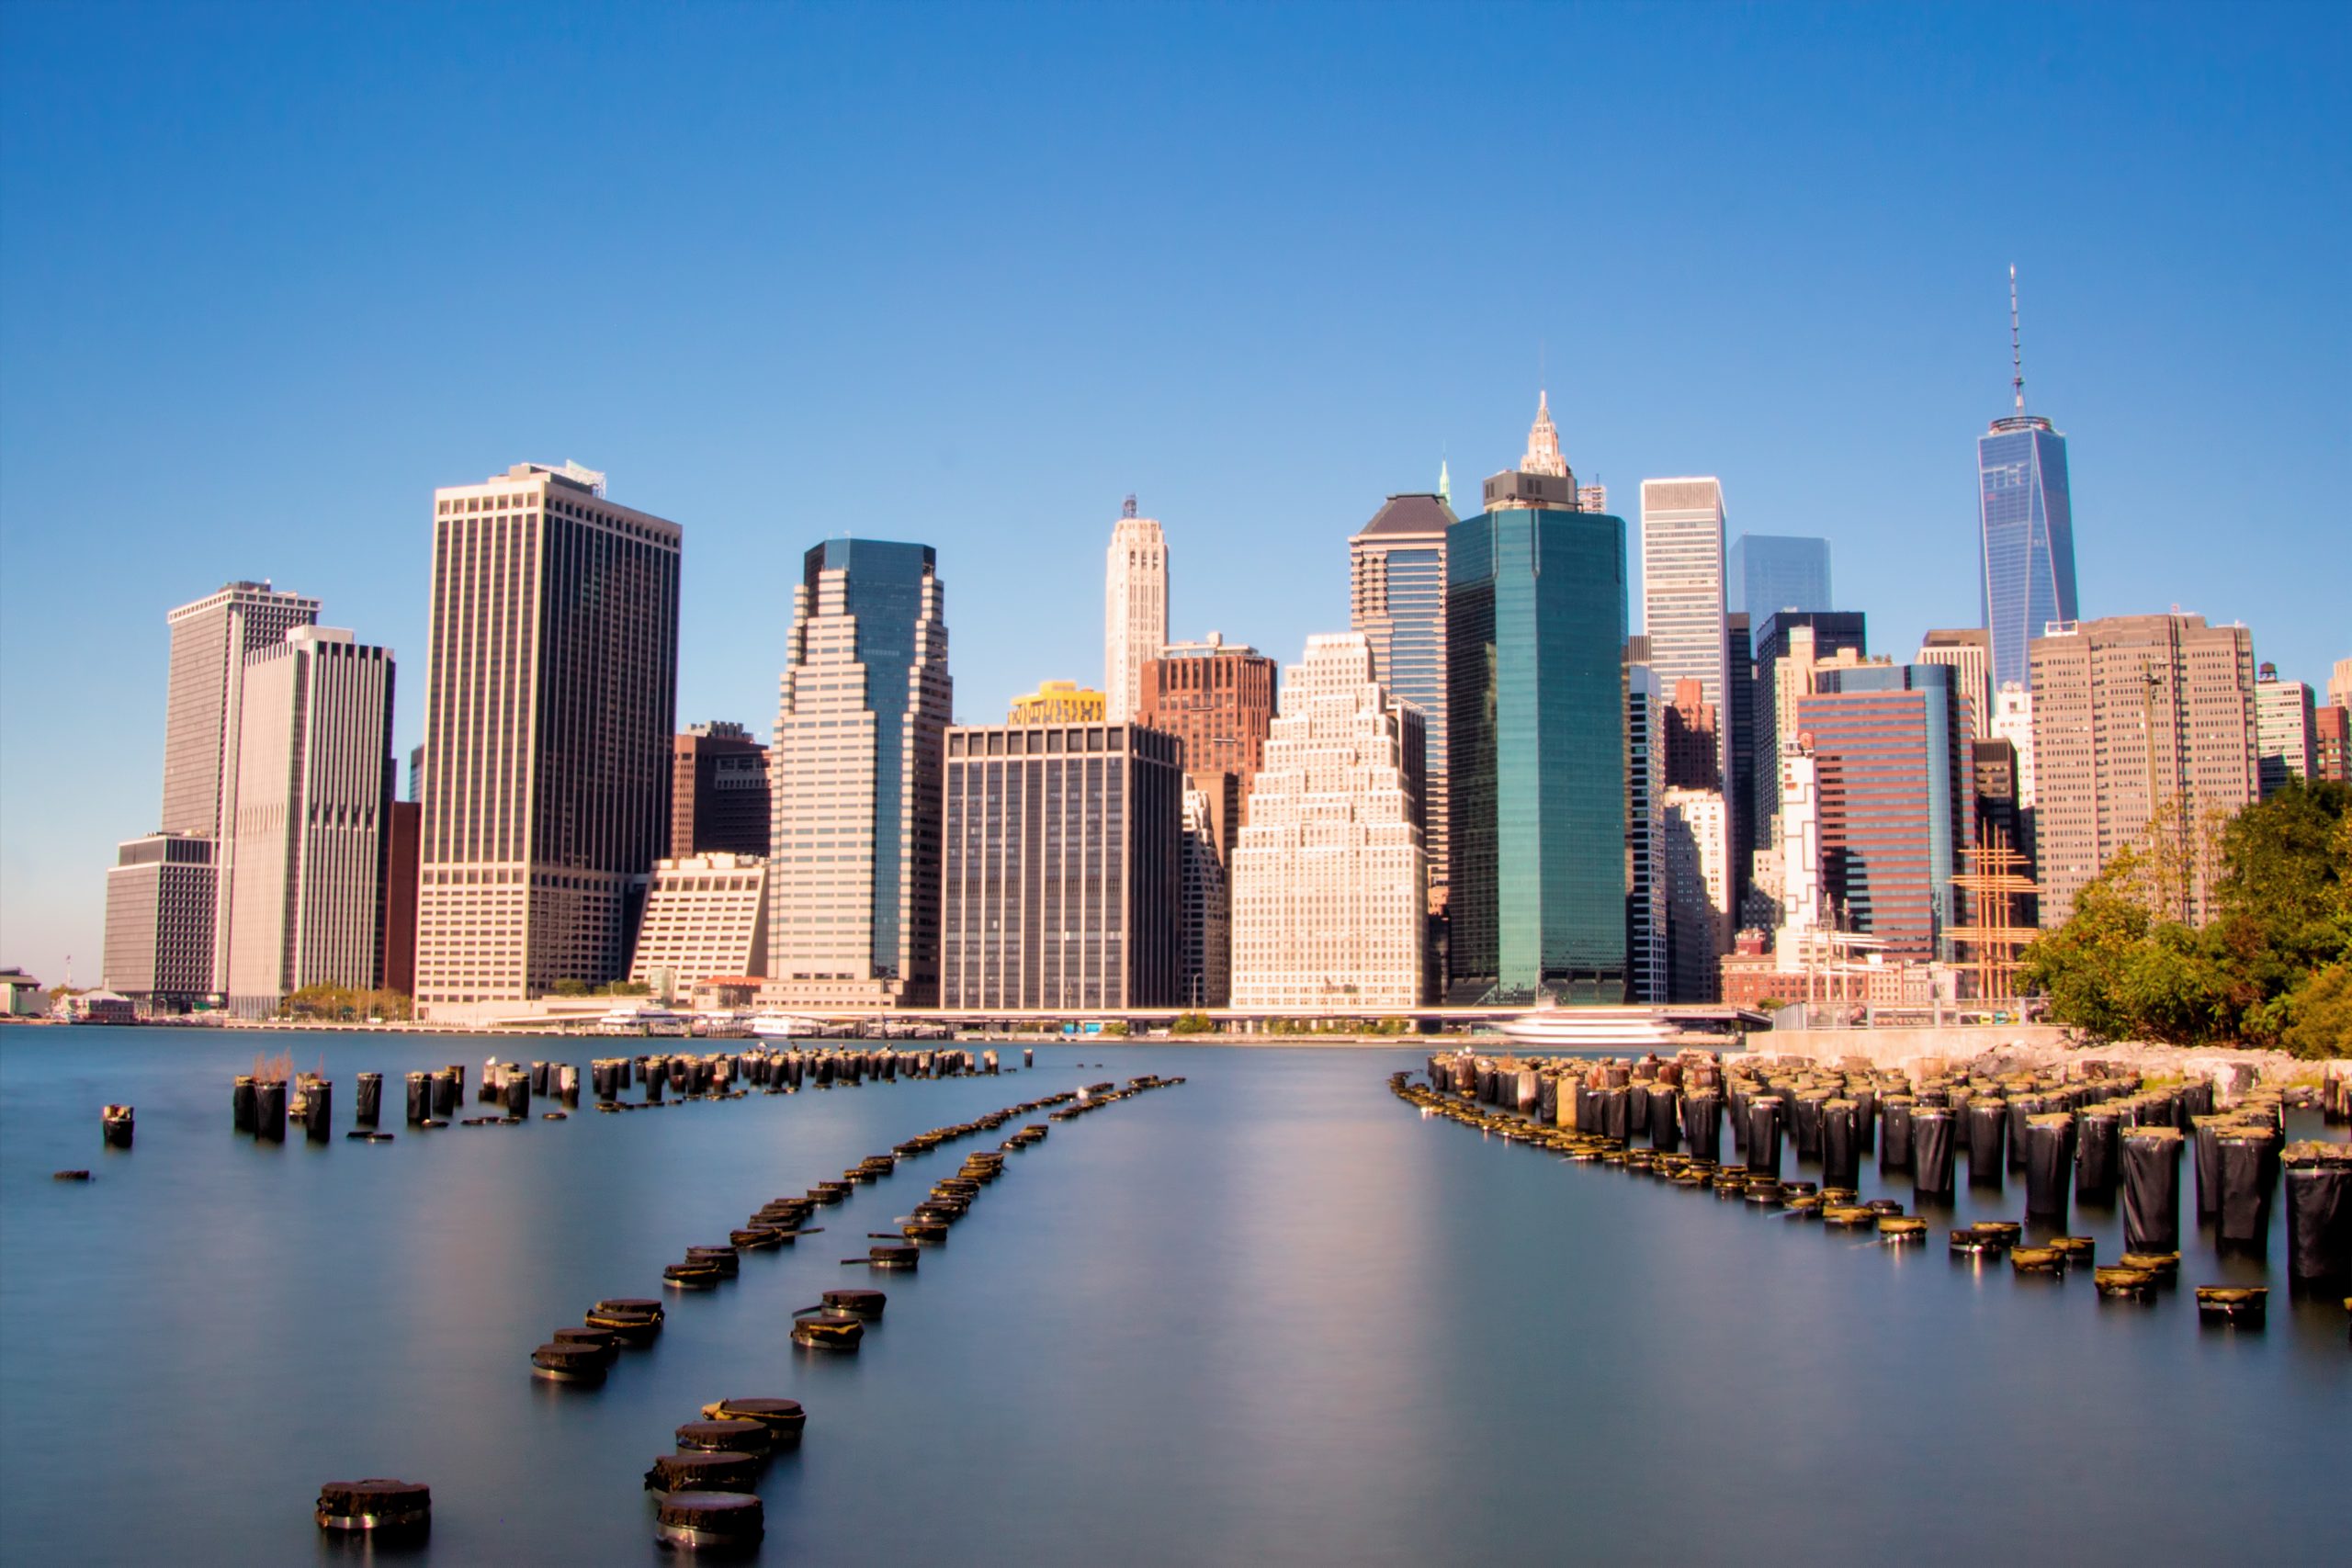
x=1544, y=443
x=1444, y=485
x=2017, y=345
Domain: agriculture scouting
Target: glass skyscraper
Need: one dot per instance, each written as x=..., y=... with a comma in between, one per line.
x=1535, y=711
x=1396, y=593
x=1767, y=573
x=2027, y=537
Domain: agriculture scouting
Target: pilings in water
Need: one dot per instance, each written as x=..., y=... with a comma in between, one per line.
x=384, y=1508
x=115, y=1126
x=367, y=1099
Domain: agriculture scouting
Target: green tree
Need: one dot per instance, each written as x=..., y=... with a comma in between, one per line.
x=2319, y=1015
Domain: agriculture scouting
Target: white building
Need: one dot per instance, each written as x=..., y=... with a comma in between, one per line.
x=2013, y=722
x=2285, y=731
x=705, y=916
x=1682, y=594
x=1134, y=610
x=1803, y=911
x=314, y=791
x=1696, y=830
x=1330, y=877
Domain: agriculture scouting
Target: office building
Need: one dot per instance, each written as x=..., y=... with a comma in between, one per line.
x=2339, y=685
x=2013, y=722
x=550, y=701
x=404, y=844
x=1968, y=651
x=159, y=897
x=1738, y=717
x=1592, y=498
x=1061, y=889
x=1768, y=573
x=1396, y=599
x=415, y=795
x=1682, y=597
x=1896, y=804
x=2331, y=744
x=1696, y=834
x=2139, y=717
x=1693, y=739
x=1646, y=973
x=1059, y=702
x=1789, y=646
x=1330, y=880
x=1204, y=915
x=2026, y=529
x=719, y=792
x=2285, y=731
x=1134, y=610
x=705, y=918
x=1535, y=639
x=1218, y=699
x=314, y=788
x=856, y=775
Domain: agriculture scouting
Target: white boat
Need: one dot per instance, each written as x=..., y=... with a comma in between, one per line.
x=644, y=1018
x=1600, y=1029
x=784, y=1026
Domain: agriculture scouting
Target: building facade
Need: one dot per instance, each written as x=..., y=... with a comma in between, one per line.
x=1695, y=825
x=1535, y=639
x=1682, y=596
x=855, y=780
x=1646, y=916
x=705, y=918
x=1059, y=702
x=2285, y=731
x=1134, y=610
x=1768, y=573
x=2331, y=744
x=315, y=791
x=1061, y=888
x=2139, y=718
x=1396, y=599
x=550, y=701
x=2026, y=539
x=1969, y=652
x=1789, y=646
x=1693, y=739
x=1331, y=879
x=160, y=897
x=1204, y=920
x=1218, y=699
x=404, y=841
x=1739, y=751
x=719, y=792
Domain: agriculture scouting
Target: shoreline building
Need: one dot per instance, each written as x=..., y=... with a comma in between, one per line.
x=315, y=782
x=2026, y=527
x=1535, y=699
x=1060, y=887
x=2285, y=729
x=160, y=893
x=705, y=918
x=1682, y=601
x=1396, y=599
x=551, y=700
x=719, y=792
x=1768, y=573
x=1218, y=699
x=1331, y=879
x=2137, y=717
x=856, y=781
x=1646, y=872
x=1134, y=610
x=211, y=639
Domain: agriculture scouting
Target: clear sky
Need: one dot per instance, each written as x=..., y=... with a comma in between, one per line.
x=269, y=274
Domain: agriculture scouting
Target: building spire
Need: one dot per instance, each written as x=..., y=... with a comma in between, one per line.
x=1544, y=443
x=1444, y=484
x=2017, y=345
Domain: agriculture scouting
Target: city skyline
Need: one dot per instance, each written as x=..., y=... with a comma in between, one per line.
x=1861, y=334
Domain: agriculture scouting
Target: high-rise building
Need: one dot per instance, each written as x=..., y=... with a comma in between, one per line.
x=2026, y=529
x=1739, y=748
x=159, y=897
x=2285, y=731
x=856, y=772
x=314, y=788
x=705, y=918
x=550, y=698
x=403, y=843
x=2331, y=744
x=1061, y=887
x=1696, y=830
x=719, y=792
x=1788, y=646
x=1331, y=892
x=1204, y=916
x=1134, y=610
x=1897, y=799
x=1646, y=916
x=2001, y=821
x=1693, y=739
x=1805, y=908
x=211, y=639
x=1768, y=573
x=2339, y=685
x=1682, y=594
x=2013, y=722
x=1057, y=702
x=1968, y=651
x=1535, y=702
x=1218, y=699
x=1396, y=599
x=2137, y=717
x=415, y=795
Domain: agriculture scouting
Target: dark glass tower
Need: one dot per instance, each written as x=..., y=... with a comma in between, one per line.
x=2026, y=527
x=1535, y=700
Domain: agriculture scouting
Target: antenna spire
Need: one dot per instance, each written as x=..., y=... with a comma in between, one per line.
x=2017, y=345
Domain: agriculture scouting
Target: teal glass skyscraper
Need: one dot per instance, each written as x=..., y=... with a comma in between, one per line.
x=2026, y=527
x=1535, y=637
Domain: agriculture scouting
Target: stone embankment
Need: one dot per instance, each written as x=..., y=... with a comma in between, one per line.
x=1927, y=1053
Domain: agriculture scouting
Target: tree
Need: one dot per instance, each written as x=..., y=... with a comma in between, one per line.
x=2319, y=1015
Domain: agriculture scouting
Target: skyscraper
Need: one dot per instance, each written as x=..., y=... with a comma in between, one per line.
x=550, y=697
x=211, y=639
x=1682, y=592
x=1693, y=739
x=1739, y=747
x=855, y=780
x=2284, y=730
x=315, y=791
x=1061, y=883
x=1768, y=573
x=1646, y=872
x=705, y=918
x=1134, y=610
x=1695, y=832
x=1968, y=651
x=1204, y=890
x=2136, y=717
x=1218, y=699
x=1330, y=880
x=2026, y=535
x=1535, y=639
x=719, y=792
x=1396, y=599
x=1788, y=646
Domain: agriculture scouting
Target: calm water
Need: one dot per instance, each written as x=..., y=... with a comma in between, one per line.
x=1270, y=1317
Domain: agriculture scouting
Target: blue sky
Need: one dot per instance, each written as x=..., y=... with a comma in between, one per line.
x=269, y=274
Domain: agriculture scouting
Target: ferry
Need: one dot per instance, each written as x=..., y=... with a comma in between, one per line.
x=644, y=1018
x=784, y=1026
x=1619, y=1030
